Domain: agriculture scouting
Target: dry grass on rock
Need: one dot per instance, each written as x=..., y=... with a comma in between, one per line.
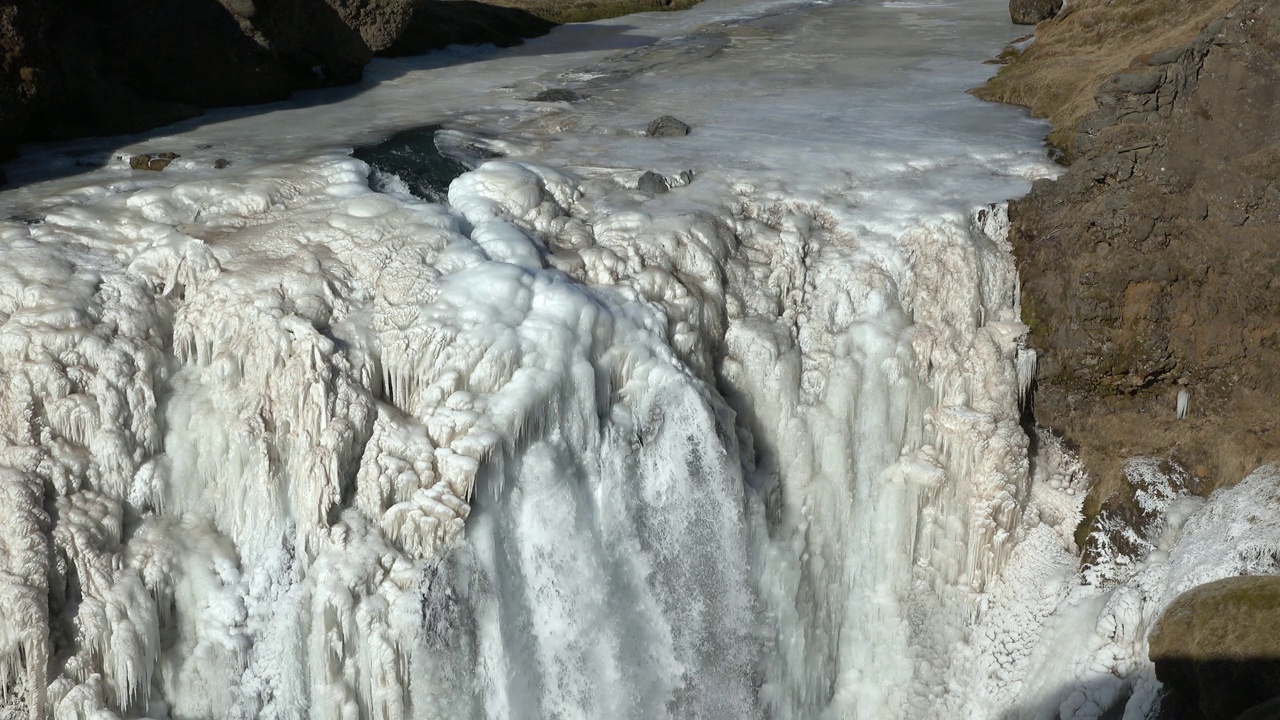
x=1094, y=39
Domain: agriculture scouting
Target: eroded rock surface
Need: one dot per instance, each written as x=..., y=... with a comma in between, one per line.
x=668, y=126
x=1030, y=12
x=1152, y=266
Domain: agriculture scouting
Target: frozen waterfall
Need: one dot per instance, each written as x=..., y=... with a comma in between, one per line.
x=282, y=441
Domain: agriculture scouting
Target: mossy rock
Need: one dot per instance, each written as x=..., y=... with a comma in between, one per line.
x=1217, y=647
x=154, y=162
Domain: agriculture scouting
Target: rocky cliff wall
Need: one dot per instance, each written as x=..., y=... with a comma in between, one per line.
x=78, y=67
x=1151, y=281
x=1151, y=267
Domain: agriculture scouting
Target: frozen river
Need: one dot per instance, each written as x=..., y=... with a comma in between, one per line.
x=738, y=438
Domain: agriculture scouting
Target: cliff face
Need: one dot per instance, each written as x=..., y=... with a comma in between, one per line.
x=79, y=67
x=1152, y=266
x=1151, y=281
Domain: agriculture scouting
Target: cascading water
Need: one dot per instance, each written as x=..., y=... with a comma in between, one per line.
x=273, y=444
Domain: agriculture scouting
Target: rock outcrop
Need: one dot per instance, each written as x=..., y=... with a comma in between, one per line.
x=1151, y=267
x=667, y=126
x=77, y=67
x=1030, y=12
x=1217, y=650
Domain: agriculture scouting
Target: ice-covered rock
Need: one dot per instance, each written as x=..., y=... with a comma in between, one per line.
x=1089, y=654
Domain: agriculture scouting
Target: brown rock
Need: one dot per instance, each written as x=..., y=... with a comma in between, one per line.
x=434, y=25
x=652, y=183
x=1217, y=649
x=154, y=161
x=557, y=95
x=70, y=68
x=1150, y=265
x=1030, y=12
x=668, y=126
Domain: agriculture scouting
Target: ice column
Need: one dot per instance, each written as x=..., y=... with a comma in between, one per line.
x=885, y=420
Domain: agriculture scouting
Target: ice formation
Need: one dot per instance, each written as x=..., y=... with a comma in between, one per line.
x=286, y=442
x=264, y=411
x=1080, y=640
x=260, y=411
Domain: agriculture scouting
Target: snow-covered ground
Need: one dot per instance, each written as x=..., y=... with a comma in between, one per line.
x=274, y=443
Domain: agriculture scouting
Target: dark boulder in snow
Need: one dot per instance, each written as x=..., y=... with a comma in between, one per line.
x=652, y=183
x=152, y=161
x=668, y=126
x=556, y=95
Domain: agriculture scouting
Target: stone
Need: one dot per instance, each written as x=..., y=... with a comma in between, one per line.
x=667, y=126
x=1217, y=649
x=652, y=183
x=73, y=68
x=221, y=163
x=1269, y=710
x=557, y=95
x=1166, y=57
x=1030, y=12
x=242, y=8
x=1137, y=82
x=154, y=162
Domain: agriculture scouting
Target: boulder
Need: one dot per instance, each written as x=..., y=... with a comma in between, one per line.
x=1030, y=12
x=667, y=126
x=652, y=183
x=1217, y=648
x=154, y=162
x=434, y=24
x=556, y=95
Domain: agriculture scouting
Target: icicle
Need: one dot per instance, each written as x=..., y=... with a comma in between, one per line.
x=1026, y=369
